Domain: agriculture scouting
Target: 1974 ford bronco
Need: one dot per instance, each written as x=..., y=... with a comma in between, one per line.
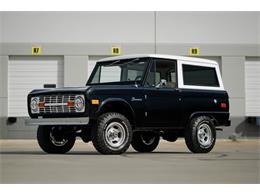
x=134, y=99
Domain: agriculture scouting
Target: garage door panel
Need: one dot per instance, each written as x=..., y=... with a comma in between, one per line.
x=34, y=69
x=29, y=80
x=26, y=73
x=252, y=85
x=35, y=77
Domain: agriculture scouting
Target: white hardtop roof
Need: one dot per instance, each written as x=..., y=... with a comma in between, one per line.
x=173, y=57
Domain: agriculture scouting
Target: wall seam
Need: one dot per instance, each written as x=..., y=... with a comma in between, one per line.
x=155, y=34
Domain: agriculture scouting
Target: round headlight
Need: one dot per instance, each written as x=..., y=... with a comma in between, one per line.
x=79, y=103
x=34, y=105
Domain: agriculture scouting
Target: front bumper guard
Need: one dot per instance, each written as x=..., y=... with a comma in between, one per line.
x=57, y=121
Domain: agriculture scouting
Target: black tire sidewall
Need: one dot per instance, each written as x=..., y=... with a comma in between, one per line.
x=140, y=146
x=98, y=133
x=191, y=135
x=122, y=122
x=43, y=138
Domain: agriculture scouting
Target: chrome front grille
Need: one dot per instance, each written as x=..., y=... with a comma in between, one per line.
x=57, y=104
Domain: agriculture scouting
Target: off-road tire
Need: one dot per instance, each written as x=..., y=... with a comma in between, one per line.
x=44, y=141
x=140, y=145
x=98, y=133
x=191, y=135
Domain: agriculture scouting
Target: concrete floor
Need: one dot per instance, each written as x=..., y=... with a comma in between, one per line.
x=22, y=161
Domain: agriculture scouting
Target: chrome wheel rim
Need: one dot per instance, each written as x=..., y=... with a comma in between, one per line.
x=115, y=135
x=146, y=140
x=204, y=135
x=56, y=142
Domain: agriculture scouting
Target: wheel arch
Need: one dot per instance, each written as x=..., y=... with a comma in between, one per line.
x=208, y=114
x=117, y=105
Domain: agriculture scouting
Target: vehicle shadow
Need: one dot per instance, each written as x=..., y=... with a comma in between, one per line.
x=86, y=153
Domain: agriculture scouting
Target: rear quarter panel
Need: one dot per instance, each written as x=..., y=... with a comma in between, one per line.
x=205, y=102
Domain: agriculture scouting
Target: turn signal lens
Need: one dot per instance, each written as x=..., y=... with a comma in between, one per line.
x=70, y=103
x=41, y=104
x=223, y=105
x=95, y=102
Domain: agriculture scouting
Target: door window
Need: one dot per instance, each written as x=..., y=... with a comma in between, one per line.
x=162, y=71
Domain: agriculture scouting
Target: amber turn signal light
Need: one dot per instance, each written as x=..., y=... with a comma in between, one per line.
x=70, y=103
x=41, y=104
x=95, y=102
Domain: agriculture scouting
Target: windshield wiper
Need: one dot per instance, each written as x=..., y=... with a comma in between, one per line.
x=123, y=63
x=113, y=63
x=131, y=61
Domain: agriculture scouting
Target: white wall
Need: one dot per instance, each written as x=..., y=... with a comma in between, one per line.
x=258, y=30
x=207, y=27
x=1, y=26
x=132, y=27
x=99, y=27
x=75, y=71
x=233, y=74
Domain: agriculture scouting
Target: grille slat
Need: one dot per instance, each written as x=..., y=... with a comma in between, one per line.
x=57, y=104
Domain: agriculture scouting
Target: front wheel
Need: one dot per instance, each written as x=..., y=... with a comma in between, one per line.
x=200, y=136
x=145, y=141
x=54, y=139
x=112, y=133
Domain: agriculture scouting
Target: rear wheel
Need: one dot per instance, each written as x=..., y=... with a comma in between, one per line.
x=112, y=133
x=54, y=139
x=145, y=141
x=200, y=136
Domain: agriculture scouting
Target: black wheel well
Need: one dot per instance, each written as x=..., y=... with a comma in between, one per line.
x=118, y=107
x=213, y=119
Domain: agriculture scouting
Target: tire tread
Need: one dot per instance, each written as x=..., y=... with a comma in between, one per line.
x=191, y=135
x=47, y=146
x=97, y=133
x=139, y=146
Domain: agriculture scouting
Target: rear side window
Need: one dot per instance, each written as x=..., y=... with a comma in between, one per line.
x=199, y=76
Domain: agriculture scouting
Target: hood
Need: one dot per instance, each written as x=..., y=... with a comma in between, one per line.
x=60, y=90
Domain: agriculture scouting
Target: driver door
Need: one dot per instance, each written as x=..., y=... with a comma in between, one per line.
x=162, y=103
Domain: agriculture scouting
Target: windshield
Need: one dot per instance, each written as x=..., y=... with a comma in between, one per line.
x=120, y=71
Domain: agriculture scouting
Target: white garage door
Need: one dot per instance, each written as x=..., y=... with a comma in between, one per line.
x=92, y=62
x=252, y=85
x=28, y=73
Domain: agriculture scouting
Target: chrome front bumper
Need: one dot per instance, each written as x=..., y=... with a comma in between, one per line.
x=57, y=121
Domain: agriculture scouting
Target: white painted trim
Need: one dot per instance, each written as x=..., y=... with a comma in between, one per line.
x=187, y=62
x=171, y=57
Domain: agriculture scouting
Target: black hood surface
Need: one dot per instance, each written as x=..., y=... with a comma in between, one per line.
x=60, y=90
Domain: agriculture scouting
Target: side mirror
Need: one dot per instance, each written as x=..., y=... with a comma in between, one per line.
x=162, y=83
